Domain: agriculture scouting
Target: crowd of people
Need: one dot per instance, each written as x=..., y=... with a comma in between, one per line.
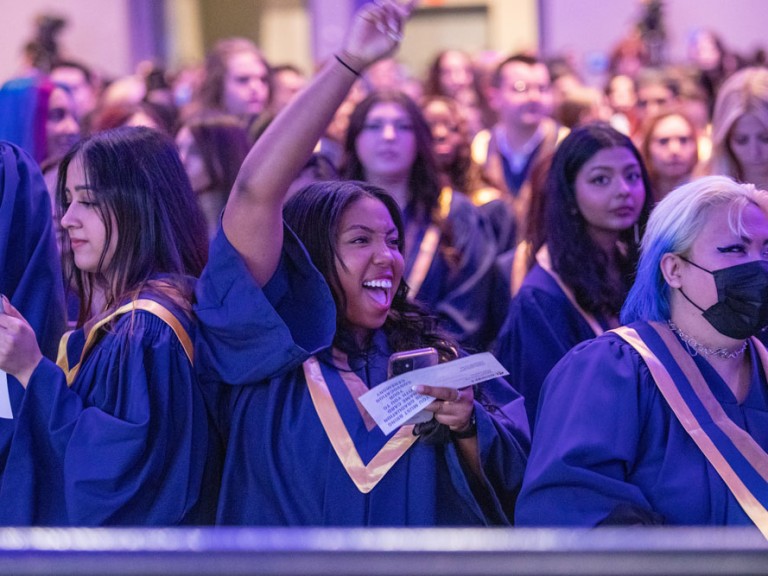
x=239, y=251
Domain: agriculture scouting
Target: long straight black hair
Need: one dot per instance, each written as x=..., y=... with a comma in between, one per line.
x=575, y=257
x=138, y=183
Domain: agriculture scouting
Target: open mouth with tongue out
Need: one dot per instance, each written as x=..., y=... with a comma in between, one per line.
x=379, y=290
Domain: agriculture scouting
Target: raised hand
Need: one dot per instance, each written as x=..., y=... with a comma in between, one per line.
x=19, y=352
x=252, y=220
x=376, y=32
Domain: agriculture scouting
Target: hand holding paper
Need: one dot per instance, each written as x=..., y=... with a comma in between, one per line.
x=19, y=352
x=394, y=401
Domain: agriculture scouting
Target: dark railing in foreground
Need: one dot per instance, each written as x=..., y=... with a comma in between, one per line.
x=383, y=552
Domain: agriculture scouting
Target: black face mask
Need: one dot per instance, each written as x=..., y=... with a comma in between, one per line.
x=742, y=299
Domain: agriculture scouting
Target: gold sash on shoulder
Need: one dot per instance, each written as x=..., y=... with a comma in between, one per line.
x=543, y=260
x=146, y=305
x=741, y=441
x=364, y=477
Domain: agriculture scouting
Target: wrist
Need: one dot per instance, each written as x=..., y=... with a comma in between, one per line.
x=344, y=63
x=25, y=375
x=467, y=431
x=353, y=63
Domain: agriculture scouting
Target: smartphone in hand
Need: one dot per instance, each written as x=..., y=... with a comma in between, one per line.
x=401, y=362
x=407, y=360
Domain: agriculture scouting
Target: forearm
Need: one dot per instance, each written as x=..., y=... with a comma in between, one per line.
x=253, y=216
x=470, y=455
x=285, y=146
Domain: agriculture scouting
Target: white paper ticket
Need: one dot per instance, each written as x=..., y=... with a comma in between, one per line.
x=393, y=402
x=5, y=398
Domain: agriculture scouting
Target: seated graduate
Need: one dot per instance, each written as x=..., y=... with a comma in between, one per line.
x=450, y=246
x=596, y=200
x=451, y=144
x=298, y=318
x=665, y=420
x=30, y=269
x=117, y=433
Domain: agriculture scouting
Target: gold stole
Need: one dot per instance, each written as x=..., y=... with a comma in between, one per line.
x=365, y=477
x=741, y=440
x=542, y=258
x=428, y=246
x=146, y=305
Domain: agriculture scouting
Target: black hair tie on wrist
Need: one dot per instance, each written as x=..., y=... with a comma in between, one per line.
x=347, y=66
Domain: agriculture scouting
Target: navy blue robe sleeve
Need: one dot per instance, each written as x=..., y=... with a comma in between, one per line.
x=128, y=444
x=500, y=219
x=541, y=326
x=588, y=438
x=503, y=446
x=30, y=271
x=247, y=334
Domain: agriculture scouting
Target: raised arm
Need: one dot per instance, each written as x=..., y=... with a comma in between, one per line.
x=253, y=216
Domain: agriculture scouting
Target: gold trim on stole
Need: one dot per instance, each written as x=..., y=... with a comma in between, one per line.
x=428, y=246
x=741, y=439
x=543, y=259
x=365, y=477
x=146, y=305
x=354, y=384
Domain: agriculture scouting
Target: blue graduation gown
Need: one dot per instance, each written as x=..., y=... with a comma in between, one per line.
x=30, y=270
x=280, y=467
x=128, y=444
x=500, y=219
x=606, y=440
x=457, y=292
x=541, y=326
x=24, y=112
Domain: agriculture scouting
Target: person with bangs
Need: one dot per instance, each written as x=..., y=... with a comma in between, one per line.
x=583, y=255
x=450, y=246
x=118, y=432
x=665, y=419
x=300, y=307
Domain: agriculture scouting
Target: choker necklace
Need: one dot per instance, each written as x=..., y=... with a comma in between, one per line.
x=694, y=348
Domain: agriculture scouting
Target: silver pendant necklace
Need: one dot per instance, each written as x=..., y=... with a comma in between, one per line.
x=695, y=348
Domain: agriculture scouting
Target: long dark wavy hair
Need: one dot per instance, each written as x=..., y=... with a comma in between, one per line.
x=579, y=261
x=139, y=184
x=314, y=214
x=424, y=184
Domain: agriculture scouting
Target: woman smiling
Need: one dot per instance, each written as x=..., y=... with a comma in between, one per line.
x=300, y=310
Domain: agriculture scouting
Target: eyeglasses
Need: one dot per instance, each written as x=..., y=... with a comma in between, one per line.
x=522, y=87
